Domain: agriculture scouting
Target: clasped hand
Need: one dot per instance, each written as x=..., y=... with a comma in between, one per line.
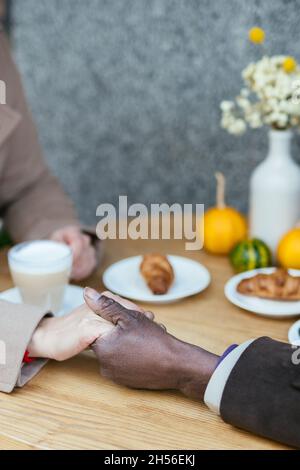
x=132, y=349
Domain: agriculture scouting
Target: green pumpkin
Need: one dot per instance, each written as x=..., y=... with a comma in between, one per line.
x=250, y=254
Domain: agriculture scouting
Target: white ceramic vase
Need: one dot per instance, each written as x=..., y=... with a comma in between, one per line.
x=275, y=192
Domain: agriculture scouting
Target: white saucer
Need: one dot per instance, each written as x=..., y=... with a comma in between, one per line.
x=124, y=278
x=264, y=307
x=294, y=333
x=73, y=298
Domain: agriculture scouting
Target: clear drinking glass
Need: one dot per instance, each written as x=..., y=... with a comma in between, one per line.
x=41, y=270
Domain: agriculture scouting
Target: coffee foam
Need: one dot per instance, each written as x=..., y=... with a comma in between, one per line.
x=40, y=257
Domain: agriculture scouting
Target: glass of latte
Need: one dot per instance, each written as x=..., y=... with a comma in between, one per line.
x=40, y=270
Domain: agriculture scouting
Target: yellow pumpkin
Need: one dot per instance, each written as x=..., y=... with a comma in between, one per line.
x=223, y=226
x=288, y=251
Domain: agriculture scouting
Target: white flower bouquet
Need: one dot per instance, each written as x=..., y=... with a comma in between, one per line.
x=271, y=94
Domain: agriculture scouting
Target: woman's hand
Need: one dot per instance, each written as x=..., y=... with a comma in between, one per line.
x=84, y=254
x=64, y=337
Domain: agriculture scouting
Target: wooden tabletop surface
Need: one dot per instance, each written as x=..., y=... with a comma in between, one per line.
x=69, y=406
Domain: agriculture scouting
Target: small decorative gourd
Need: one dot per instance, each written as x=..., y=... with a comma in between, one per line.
x=224, y=226
x=250, y=254
x=288, y=251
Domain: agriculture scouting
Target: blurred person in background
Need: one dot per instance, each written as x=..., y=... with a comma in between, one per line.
x=32, y=203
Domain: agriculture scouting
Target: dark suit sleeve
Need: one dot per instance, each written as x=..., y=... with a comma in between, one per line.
x=262, y=393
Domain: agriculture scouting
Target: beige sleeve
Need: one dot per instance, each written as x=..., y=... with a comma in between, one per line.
x=17, y=324
x=32, y=200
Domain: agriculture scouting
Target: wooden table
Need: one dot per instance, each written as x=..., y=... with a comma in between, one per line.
x=69, y=406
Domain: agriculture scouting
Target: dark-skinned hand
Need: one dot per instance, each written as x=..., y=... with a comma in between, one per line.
x=139, y=353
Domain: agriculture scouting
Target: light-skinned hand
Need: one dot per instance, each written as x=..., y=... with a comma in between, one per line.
x=84, y=254
x=64, y=337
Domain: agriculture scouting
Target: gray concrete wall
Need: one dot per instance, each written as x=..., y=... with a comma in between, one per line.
x=126, y=92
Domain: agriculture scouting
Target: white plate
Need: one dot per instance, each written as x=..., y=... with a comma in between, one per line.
x=265, y=307
x=73, y=298
x=294, y=333
x=124, y=278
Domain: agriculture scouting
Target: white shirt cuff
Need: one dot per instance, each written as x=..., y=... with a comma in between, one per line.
x=215, y=388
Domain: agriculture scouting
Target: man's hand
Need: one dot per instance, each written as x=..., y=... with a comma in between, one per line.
x=84, y=254
x=62, y=338
x=138, y=353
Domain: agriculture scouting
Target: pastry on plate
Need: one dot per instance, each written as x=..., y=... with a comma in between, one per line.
x=157, y=272
x=279, y=285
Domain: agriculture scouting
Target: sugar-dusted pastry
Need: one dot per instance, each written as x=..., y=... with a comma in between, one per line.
x=279, y=285
x=157, y=272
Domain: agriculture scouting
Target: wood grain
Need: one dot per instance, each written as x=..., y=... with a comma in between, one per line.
x=69, y=406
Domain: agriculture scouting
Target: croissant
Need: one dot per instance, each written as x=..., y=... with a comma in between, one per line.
x=157, y=272
x=279, y=285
